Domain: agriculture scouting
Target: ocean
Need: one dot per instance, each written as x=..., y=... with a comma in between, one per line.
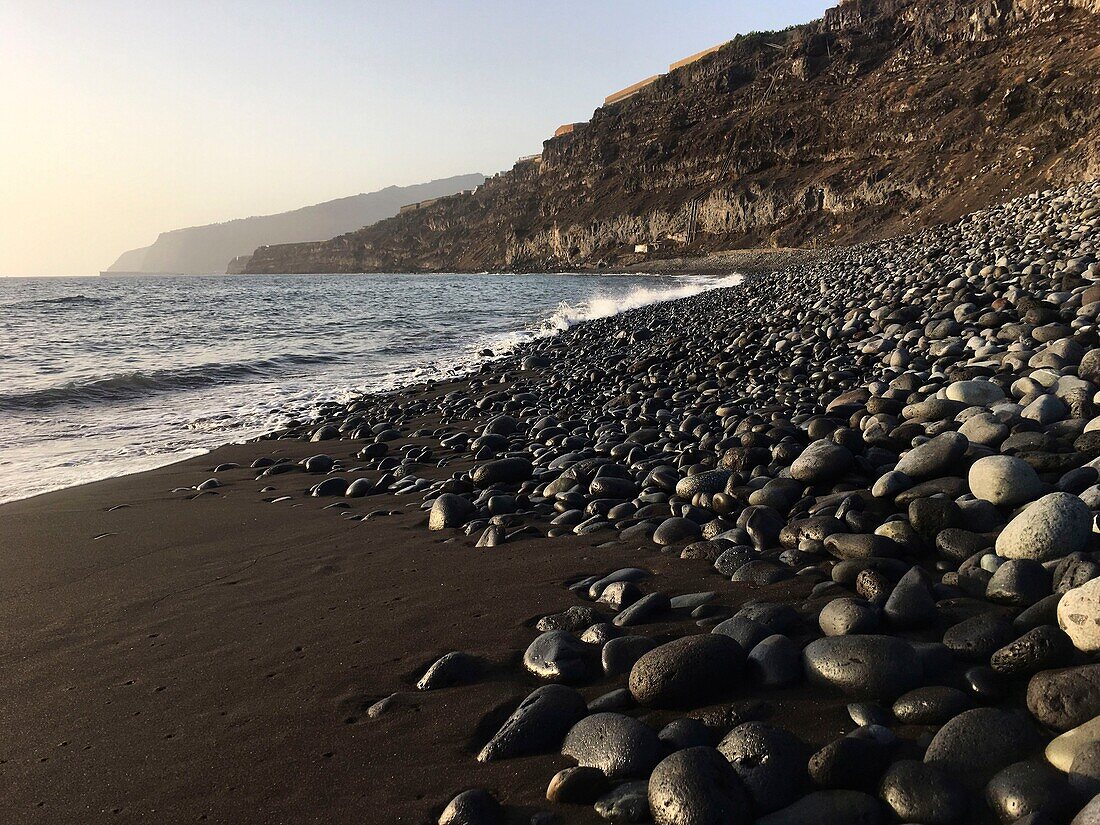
x=111, y=375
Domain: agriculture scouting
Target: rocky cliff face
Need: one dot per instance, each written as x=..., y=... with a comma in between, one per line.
x=884, y=116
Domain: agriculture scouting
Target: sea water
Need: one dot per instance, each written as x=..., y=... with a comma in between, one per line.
x=112, y=375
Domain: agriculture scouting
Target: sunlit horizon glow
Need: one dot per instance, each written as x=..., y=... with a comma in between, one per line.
x=124, y=119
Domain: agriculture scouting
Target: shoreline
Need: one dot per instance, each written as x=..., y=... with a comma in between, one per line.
x=397, y=379
x=178, y=649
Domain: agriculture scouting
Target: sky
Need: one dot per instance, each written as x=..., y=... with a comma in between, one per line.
x=125, y=118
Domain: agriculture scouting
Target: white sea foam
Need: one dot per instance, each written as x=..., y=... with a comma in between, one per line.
x=605, y=306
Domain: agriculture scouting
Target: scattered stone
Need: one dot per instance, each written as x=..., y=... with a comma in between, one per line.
x=1054, y=526
x=621, y=747
x=977, y=743
x=688, y=671
x=875, y=667
x=538, y=725
x=697, y=786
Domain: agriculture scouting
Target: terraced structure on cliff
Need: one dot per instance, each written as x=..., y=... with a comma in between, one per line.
x=883, y=117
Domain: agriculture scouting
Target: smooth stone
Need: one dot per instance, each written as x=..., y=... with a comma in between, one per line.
x=868, y=713
x=559, y=655
x=613, y=702
x=933, y=458
x=748, y=633
x=473, y=807
x=620, y=746
x=1018, y=582
x=577, y=786
x=538, y=725
x=1005, y=481
x=501, y=471
x=685, y=733
x=1054, y=526
x=697, y=786
x=1029, y=788
x=769, y=761
x=977, y=743
x=709, y=481
x=975, y=393
x=925, y=793
x=359, y=488
x=823, y=460
x=620, y=655
x=1079, y=616
x=979, y=637
x=1084, y=773
x=931, y=705
x=860, y=546
x=627, y=803
x=849, y=763
x=847, y=616
x=455, y=668
x=775, y=662
x=625, y=574
x=646, y=608
x=873, y=667
x=676, y=530
x=577, y=617
x=688, y=671
x=911, y=603
x=1064, y=699
x=1063, y=749
x=450, y=510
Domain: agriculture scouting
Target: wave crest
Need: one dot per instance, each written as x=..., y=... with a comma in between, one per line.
x=136, y=384
x=605, y=306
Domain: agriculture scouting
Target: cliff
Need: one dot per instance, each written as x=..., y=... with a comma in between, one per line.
x=884, y=116
x=218, y=247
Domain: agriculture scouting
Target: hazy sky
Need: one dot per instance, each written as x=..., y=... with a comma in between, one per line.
x=123, y=118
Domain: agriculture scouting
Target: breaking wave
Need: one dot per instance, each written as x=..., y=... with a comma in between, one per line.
x=601, y=306
x=131, y=385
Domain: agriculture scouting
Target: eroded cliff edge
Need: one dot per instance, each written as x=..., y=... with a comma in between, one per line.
x=884, y=116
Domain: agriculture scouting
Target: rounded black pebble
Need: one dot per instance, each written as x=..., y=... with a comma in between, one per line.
x=697, y=786
x=919, y=792
x=1029, y=788
x=931, y=705
x=538, y=725
x=770, y=761
x=577, y=786
x=849, y=763
x=620, y=746
x=977, y=743
x=473, y=807
x=688, y=671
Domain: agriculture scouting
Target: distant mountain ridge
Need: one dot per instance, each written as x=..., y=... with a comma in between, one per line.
x=210, y=249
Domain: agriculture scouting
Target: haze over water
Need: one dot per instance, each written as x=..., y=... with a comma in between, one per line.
x=105, y=376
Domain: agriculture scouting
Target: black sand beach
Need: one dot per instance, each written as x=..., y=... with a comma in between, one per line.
x=811, y=441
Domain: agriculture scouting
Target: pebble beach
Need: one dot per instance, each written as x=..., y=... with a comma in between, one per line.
x=821, y=547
